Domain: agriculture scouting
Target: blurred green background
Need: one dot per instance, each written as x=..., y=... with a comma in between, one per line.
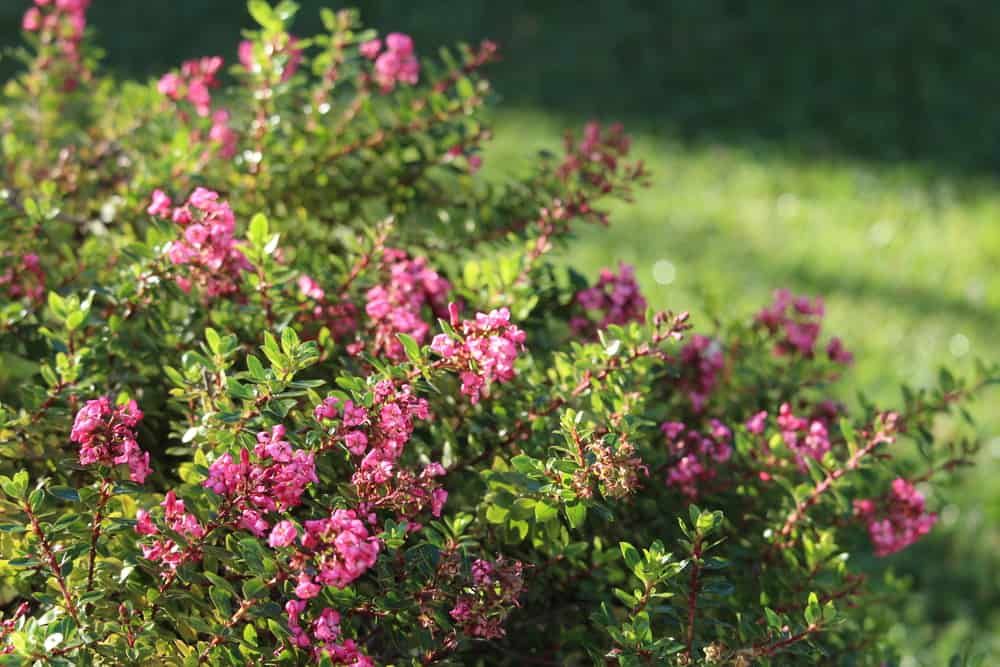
x=846, y=149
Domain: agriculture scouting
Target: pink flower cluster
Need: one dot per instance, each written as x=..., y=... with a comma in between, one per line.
x=106, y=435
x=485, y=352
x=897, y=520
x=341, y=317
x=384, y=485
x=382, y=433
x=193, y=83
x=702, y=360
x=61, y=22
x=8, y=625
x=207, y=247
x=795, y=320
x=274, y=482
x=333, y=552
x=615, y=299
x=397, y=306
x=222, y=134
x=481, y=610
x=694, y=452
x=379, y=437
x=165, y=550
x=807, y=437
x=25, y=279
x=397, y=64
x=321, y=636
x=290, y=49
x=595, y=158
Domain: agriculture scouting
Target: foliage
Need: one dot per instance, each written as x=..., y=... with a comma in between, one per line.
x=293, y=384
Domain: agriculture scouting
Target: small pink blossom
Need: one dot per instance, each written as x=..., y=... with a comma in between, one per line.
x=896, y=520
x=397, y=64
x=106, y=435
x=399, y=304
x=32, y=20
x=615, y=299
x=370, y=49
x=486, y=352
x=161, y=205
x=282, y=535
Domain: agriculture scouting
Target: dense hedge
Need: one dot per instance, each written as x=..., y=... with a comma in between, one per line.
x=288, y=383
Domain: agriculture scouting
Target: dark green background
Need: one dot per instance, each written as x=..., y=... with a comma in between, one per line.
x=910, y=80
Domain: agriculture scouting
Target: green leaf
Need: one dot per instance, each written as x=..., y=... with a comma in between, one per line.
x=75, y=319
x=212, y=337
x=545, y=512
x=58, y=305
x=221, y=599
x=630, y=554
x=577, y=514
x=65, y=493
x=411, y=347
x=708, y=521
x=255, y=368
x=465, y=88
x=773, y=620
x=813, y=613
x=289, y=341
x=496, y=514
x=257, y=233
x=16, y=487
x=265, y=16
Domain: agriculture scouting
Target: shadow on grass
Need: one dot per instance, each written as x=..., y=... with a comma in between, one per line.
x=873, y=80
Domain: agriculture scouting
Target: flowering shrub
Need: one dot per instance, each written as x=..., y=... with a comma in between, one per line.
x=337, y=406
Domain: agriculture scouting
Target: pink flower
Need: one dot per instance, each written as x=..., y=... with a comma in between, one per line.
x=397, y=63
x=247, y=56
x=696, y=453
x=208, y=248
x=399, y=43
x=837, y=353
x=164, y=550
x=25, y=279
x=32, y=20
x=306, y=587
x=757, y=423
x=194, y=82
x=898, y=519
x=370, y=48
x=795, y=322
x=338, y=549
x=144, y=523
x=398, y=305
x=310, y=288
x=170, y=84
x=282, y=535
x=161, y=205
x=702, y=362
x=616, y=298
x=275, y=481
x=805, y=437
x=222, y=134
x=106, y=435
x=486, y=353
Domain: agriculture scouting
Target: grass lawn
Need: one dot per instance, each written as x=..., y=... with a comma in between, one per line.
x=906, y=258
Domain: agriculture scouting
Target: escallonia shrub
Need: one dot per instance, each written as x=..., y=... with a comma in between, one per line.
x=285, y=382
